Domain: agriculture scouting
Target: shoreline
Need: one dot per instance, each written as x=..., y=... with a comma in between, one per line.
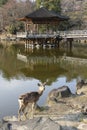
x=76, y=121
x=59, y=116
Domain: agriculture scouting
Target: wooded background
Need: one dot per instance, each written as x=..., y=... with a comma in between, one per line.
x=11, y=10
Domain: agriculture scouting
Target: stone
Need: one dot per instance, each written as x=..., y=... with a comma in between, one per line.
x=4, y=125
x=39, y=123
x=82, y=126
x=47, y=124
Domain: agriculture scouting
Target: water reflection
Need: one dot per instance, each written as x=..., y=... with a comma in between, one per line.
x=17, y=77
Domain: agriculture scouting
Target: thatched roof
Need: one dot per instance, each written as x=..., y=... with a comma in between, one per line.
x=43, y=16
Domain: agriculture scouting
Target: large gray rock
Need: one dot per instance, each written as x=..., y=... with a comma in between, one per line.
x=47, y=124
x=39, y=123
x=4, y=125
x=82, y=126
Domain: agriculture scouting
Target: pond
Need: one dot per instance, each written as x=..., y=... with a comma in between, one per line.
x=18, y=77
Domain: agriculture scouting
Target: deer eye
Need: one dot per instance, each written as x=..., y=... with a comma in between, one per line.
x=38, y=84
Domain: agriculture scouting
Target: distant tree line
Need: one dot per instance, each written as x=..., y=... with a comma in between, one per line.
x=11, y=10
x=2, y=2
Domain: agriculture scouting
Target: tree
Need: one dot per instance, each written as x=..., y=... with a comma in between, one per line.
x=50, y=4
x=12, y=29
x=2, y=2
x=11, y=11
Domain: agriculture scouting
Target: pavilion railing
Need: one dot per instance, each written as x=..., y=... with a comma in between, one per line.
x=67, y=34
x=35, y=35
x=73, y=33
x=21, y=34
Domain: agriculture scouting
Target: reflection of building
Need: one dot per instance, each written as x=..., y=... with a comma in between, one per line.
x=1, y=20
x=35, y=60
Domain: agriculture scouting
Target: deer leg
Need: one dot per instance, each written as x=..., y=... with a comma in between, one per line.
x=21, y=110
x=33, y=105
x=19, y=114
x=26, y=109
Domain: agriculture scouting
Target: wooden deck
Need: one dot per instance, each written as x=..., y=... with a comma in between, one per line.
x=35, y=36
x=63, y=34
x=53, y=39
x=47, y=40
x=73, y=34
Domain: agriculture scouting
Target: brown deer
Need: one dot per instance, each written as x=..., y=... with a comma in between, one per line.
x=81, y=87
x=30, y=98
x=58, y=93
x=81, y=84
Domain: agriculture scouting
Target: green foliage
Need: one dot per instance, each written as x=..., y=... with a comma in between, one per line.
x=2, y=2
x=12, y=29
x=50, y=4
x=64, y=25
x=20, y=26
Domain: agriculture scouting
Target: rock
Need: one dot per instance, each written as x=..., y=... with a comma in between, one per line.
x=10, y=118
x=4, y=125
x=40, y=123
x=68, y=114
x=82, y=126
x=85, y=120
x=84, y=109
x=47, y=124
x=69, y=128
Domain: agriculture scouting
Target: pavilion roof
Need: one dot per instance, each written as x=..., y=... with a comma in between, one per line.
x=43, y=16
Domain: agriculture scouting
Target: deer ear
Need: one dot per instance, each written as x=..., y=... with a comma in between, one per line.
x=38, y=84
x=45, y=82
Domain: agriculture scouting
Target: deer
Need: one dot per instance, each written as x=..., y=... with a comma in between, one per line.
x=58, y=93
x=30, y=98
x=81, y=86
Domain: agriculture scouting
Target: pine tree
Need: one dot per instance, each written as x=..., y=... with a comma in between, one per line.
x=50, y=4
x=2, y=2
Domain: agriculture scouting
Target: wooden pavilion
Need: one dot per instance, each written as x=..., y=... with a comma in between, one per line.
x=38, y=18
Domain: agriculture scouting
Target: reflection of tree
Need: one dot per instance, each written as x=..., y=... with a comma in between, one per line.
x=8, y=62
x=75, y=70
x=42, y=72
x=50, y=69
x=11, y=67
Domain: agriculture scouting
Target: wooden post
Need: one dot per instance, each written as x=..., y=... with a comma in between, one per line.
x=58, y=43
x=70, y=40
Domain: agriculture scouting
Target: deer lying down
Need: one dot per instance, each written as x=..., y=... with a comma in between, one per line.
x=30, y=98
x=58, y=93
x=81, y=84
x=81, y=87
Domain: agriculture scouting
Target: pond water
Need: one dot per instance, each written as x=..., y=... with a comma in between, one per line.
x=18, y=77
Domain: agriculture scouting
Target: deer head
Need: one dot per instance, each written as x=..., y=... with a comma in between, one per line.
x=42, y=86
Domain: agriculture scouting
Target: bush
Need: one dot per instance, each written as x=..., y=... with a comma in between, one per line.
x=12, y=29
